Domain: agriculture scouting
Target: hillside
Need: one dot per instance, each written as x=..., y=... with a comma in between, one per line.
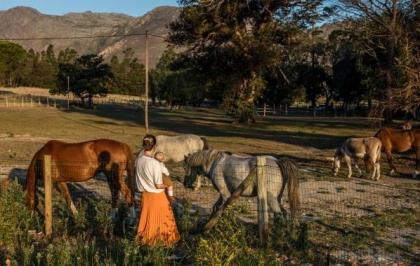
x=24, y=22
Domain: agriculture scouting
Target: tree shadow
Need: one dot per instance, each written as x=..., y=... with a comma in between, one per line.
x=215, y=124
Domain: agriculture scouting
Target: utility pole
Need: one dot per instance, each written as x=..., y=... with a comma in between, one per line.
x=146, y=104
x=68, y=93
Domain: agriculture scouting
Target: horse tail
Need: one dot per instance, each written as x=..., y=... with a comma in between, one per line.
x=31, y=178
x=205, y=143
x=290, y=174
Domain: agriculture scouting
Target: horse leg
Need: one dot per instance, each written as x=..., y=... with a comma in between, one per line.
x=378, y=171
x=357, y=167
x=375, y=169
x=218, y=203
x=373, y=175
x=274, y=204
x=198, y=183
x=348, y=162
x=66, y=194
x=123, y=186
x=113, y=187
x=417, y=171
x=391, y=165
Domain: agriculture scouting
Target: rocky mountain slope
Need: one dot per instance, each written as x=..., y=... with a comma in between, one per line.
x=27, y=23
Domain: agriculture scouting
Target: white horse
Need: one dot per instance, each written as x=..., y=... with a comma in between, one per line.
x=228, y=171
x=176, y=148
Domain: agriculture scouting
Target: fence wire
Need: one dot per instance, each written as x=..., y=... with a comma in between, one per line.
x=347, y=219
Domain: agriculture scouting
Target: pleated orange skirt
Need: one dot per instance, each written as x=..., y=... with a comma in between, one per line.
x=157, y=223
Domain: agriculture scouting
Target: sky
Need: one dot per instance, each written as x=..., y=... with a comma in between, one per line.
x=60, y=7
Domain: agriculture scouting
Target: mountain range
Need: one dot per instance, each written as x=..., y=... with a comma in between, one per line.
x=28, y=23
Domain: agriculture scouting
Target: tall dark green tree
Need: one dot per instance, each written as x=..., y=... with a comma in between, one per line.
x=67, y=56
x=12, y=57
x=89, y=77
x=128, y=74
x=173, y=83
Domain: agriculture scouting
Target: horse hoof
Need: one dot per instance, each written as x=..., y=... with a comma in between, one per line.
x=392, y=173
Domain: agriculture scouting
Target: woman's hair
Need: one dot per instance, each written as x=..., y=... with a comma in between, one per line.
x=149, y=142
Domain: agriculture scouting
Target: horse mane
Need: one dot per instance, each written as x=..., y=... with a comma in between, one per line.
x=204, y=158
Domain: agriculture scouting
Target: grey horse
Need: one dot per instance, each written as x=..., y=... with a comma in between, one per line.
x=177, y=147
x=228, y=171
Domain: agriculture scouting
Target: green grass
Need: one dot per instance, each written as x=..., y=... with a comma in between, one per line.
x=269, y=136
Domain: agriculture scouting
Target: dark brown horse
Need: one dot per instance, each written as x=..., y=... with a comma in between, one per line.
x=79, y=162
x=397, y=140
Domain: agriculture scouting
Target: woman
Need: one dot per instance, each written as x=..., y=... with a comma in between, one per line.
x=157, y=223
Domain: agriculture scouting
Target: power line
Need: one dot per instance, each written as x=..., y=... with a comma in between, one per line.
x=80, y=37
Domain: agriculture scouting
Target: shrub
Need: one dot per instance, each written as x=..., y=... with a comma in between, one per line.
x=15, y=220
x=230, y=242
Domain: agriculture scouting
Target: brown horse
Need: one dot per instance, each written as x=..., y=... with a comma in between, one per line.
x=79, y=162
x=397, y=140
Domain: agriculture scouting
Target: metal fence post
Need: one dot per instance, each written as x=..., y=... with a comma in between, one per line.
x=48, y=194
x=262, y=200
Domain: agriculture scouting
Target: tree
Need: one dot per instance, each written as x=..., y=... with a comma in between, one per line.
x=172, y=82
x=12, y=57
x=47, y=68
x=389, y=31
x=67, y=56
x=89, y=77
x=128, y=74
x=228, y=45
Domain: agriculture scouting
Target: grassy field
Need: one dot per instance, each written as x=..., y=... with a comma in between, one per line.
x=310, y=141
x=386, y=218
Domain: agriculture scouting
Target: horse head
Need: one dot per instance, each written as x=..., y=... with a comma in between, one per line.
x=190, y=173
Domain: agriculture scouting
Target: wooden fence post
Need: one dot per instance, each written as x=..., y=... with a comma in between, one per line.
x=265, y=109
x=22, y=102
x=48, y=194
x=7, y=102
x=39, y=100
x=262, y=200
x=48, y=102
x=31, y=102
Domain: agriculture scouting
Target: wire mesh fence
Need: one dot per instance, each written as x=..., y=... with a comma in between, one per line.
x=347, y=220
